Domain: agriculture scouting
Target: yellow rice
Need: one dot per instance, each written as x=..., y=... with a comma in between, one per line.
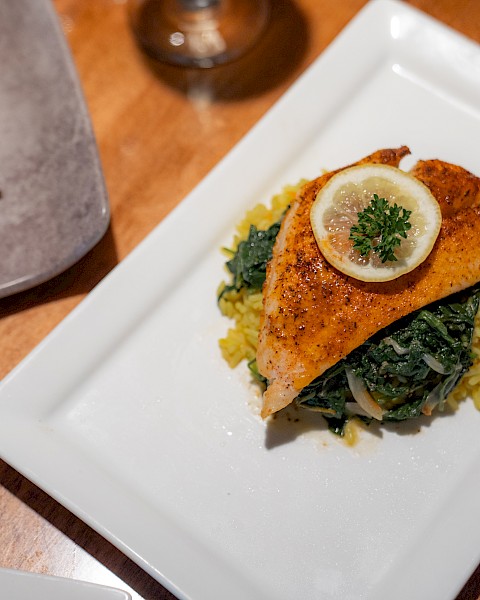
x=244, y=308
x=469, y=385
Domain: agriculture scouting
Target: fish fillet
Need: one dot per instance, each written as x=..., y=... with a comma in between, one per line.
x=314, y=315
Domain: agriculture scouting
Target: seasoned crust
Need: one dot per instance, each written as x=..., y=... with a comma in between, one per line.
x=314, y=315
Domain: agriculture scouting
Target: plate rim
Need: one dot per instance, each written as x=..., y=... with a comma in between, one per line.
x=377, y=9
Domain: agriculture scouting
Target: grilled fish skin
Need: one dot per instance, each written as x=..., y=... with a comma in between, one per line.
x=314, y=315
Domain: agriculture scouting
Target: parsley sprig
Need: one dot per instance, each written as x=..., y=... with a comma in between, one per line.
x=380, y=229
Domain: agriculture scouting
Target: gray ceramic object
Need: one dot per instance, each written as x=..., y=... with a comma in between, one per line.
x=53, y=204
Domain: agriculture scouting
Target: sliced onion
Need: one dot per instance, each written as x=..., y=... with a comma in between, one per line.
x=433, y=363
x=353, y=408
x=362, y=396
x=432, y=400
x=396, y=346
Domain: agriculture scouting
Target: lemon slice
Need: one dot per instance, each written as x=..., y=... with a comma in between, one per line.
x=336, y=208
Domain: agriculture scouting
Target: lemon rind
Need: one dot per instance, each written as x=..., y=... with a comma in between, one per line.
x=423, y=199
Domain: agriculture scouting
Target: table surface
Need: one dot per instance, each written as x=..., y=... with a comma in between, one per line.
x=149, y=119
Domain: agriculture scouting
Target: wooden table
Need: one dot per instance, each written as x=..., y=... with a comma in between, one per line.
x=159, y=131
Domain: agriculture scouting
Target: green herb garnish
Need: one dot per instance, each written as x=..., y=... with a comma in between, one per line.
x=380, y=229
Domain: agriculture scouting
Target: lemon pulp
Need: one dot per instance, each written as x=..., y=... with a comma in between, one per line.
x=336, y=208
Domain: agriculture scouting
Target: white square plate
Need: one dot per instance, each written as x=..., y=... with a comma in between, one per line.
x=128, y=416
